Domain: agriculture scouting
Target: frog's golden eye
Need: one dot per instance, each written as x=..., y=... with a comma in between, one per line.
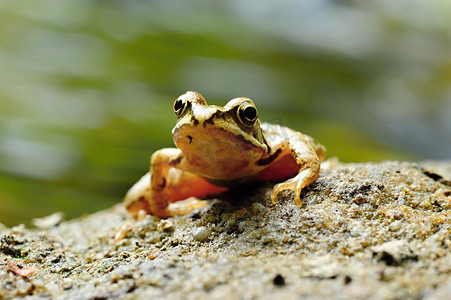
x=180, y=105
x=247, y=114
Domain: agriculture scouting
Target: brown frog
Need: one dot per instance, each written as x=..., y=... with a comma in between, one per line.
x=217, y=148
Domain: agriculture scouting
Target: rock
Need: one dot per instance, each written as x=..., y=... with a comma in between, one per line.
x=375, y=230
x=201, y=234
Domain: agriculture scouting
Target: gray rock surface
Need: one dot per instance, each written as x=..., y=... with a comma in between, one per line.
x=365, y=231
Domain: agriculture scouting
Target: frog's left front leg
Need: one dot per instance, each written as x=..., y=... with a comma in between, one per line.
x=309, y=166
x=166, y=183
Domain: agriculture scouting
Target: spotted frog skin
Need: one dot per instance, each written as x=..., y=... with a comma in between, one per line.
x=217, y=148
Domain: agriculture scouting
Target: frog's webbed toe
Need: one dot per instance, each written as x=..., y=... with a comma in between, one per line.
x=291, y=184
x=295, y=184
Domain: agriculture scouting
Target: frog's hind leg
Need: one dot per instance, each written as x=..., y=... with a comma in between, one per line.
x=180, y=196
x=319, y=149
x=169, y=184
x=184, y=189
x=137, y=197
x=166, y=184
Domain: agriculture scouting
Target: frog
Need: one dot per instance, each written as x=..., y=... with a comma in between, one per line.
x=217, y=149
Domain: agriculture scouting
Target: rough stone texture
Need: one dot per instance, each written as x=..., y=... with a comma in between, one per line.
x=366, y=231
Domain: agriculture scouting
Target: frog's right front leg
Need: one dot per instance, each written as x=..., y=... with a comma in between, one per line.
x=166, y=184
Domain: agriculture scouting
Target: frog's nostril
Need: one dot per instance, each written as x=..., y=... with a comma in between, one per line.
x=190, y=138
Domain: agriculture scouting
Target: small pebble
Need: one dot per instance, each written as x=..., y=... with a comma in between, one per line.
x=167, y=225
x=48, y=221
x=201, y=234
x=395, y=226
x=242, y=226
x=257, y=208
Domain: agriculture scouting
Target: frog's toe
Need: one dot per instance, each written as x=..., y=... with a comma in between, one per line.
x=185, y=206
x=292, y=184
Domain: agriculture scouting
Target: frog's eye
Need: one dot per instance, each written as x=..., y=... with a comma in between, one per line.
x=247, y=114
x=180, y=105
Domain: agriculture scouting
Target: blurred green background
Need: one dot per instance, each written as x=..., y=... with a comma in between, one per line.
x=86, y=87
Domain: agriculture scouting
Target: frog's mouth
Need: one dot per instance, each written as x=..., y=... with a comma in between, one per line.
x=208, y=135
x=211, y=140
x=217, y=153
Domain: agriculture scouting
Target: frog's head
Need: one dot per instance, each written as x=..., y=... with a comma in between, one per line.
x=211, y=136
